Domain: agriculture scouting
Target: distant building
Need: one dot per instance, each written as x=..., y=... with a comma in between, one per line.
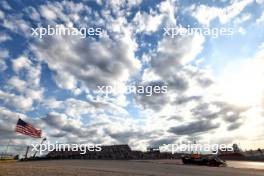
x=258, y=153
x=115, y=152
x=238, y=154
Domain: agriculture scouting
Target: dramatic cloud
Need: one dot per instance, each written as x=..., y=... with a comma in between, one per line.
x=205, y=14
x=15, y=101
x=194, y=127
x=91, y=62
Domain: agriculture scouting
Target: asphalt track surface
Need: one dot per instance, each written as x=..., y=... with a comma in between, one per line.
x=118, y=168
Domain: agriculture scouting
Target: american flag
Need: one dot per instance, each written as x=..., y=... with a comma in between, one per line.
x=27, y=129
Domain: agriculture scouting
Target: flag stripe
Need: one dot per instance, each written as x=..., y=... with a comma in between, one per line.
x=27, y=129
x=30, y=132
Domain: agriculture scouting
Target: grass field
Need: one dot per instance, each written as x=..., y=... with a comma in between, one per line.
x=7, y=160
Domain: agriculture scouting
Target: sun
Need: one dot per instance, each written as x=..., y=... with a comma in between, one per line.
x=244, y=83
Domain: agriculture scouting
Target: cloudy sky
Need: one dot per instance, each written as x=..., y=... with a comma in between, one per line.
x=215, y=84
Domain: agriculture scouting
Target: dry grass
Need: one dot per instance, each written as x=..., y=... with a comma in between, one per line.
x=7, y=161
x=38, y=170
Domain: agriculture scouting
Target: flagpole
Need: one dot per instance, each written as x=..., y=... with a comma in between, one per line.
x=7, y=147
x=44, y=139
x=30, y=131
x=27, y=146
x=27, y=149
